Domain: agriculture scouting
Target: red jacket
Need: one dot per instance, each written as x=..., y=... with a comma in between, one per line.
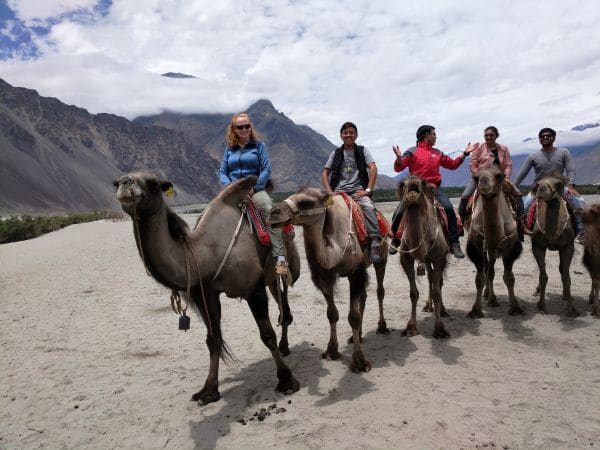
x=424, y=161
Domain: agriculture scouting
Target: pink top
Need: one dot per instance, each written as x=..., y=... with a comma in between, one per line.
x=482, y=157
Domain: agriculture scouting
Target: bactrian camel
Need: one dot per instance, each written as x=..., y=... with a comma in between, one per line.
x=333, y=250
x=423, y=240
x=553, y=231
x=591, y=251
x=493, y=234
x=178, y=258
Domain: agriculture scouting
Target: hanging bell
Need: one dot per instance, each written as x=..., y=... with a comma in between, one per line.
x=184, y=322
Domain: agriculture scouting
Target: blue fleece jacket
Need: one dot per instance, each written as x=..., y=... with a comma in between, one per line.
x=239, y=162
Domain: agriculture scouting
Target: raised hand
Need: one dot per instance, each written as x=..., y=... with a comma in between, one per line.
x=397, y=151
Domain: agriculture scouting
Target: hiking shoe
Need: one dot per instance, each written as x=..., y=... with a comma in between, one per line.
x=394, y=246
x=281, y=267
x=456, y=251
x=579, y=238
x=374, y=253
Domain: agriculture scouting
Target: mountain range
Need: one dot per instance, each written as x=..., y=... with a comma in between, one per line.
x=58, y=157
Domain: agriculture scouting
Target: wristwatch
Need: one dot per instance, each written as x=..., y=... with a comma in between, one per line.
x=368, y=190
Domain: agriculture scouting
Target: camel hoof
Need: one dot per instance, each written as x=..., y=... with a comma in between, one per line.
x=493, y=302
x=444, y=313
x=330, y=355
x=537, y=292
x=351, y=340
x=206, y=396
x=516, y=310
x=541, y=307
x=427, y=308
x=475, y=314
x=410, y=332
x=595, y=312
x=288, y=387
x=382, y=329
x=361, y=365
x=441, y=333
x=284, y=350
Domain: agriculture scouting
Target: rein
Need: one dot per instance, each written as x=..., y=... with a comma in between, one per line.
x=232, y=241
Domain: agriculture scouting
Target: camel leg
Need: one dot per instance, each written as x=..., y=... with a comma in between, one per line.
x=285, y=315
x=210, y=392
x=594, y=296
x=258, y=302
x=358, y=283
x=325, y=282
x=380, y=274
x=478, y=258
x=363, y=302
x=509, y=281
x=539, y=253
x=429, y=303
x=489, y=281
x=566, y=256
x=408, y=264
x=439, y=330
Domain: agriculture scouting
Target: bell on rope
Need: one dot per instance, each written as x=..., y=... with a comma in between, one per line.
x=184, y=322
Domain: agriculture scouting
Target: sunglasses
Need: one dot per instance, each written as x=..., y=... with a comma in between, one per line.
x=243, y=127
x=546, y=136
x=489, y=135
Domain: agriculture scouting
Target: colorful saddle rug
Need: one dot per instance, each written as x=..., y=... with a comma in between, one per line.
x=359, y=219
x=532, y=214
x=443, y=218
x=260, y=230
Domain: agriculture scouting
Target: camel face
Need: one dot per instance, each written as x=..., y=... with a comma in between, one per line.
x=301, y=208
x=549, y=189
x=489, y=181
x=591, y=215
x=411, y=190
x=141, y=191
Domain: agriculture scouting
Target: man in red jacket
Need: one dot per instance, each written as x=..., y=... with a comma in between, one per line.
x=424, y=161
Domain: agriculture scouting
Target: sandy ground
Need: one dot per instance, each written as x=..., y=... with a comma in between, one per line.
x=92, y=358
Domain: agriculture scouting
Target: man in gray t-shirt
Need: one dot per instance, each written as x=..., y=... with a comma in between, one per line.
x=551, y=159
x=351, y=169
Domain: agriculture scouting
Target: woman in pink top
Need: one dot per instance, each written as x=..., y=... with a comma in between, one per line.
x=485, y=155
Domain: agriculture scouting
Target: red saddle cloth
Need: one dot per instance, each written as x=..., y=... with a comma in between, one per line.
x=531, y=215
x=359, y=219
x=260, y=230
x=443, y=220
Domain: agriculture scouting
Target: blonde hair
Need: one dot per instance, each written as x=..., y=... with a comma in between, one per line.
x=232, y=138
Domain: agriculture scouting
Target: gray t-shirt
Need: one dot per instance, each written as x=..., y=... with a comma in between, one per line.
x=544, y=163
x=349, y=178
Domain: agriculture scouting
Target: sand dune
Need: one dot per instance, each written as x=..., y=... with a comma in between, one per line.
x=92, y=358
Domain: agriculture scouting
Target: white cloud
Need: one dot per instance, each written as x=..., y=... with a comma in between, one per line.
x=28, y=10
x=388, y=66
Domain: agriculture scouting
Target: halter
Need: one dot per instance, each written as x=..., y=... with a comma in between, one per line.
x=305, y=212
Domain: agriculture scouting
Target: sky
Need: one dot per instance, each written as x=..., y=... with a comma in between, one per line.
x=386, y=66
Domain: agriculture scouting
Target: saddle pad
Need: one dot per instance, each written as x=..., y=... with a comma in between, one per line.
x=531, y=214
x=260, y=230
x=359, y=219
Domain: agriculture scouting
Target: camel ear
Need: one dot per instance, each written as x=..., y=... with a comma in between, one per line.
x=167, y=188
x=326, y=198
x=429, y=190
x=400, y=188
x=560, y=185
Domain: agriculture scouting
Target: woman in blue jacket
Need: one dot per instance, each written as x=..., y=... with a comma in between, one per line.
x=246, y=155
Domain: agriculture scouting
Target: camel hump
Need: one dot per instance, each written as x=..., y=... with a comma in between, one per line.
x=235, y=192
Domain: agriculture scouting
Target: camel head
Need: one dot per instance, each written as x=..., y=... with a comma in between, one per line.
x=590, y=215
x=550, y=187
x=412, y=189
x=301, y=208
x=489, y=181
x=140, y=193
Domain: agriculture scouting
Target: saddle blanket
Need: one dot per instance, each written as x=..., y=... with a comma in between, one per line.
x=260, y=230
x=359, y=219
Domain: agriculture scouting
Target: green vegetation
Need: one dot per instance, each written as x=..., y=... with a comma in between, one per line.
x=20, y=228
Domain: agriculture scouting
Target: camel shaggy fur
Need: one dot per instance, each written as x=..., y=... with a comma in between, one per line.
x=493, y=234
x=423, y=240
x=553, y=231
x=180, y=259
x=332, y=251
x=591, y=252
